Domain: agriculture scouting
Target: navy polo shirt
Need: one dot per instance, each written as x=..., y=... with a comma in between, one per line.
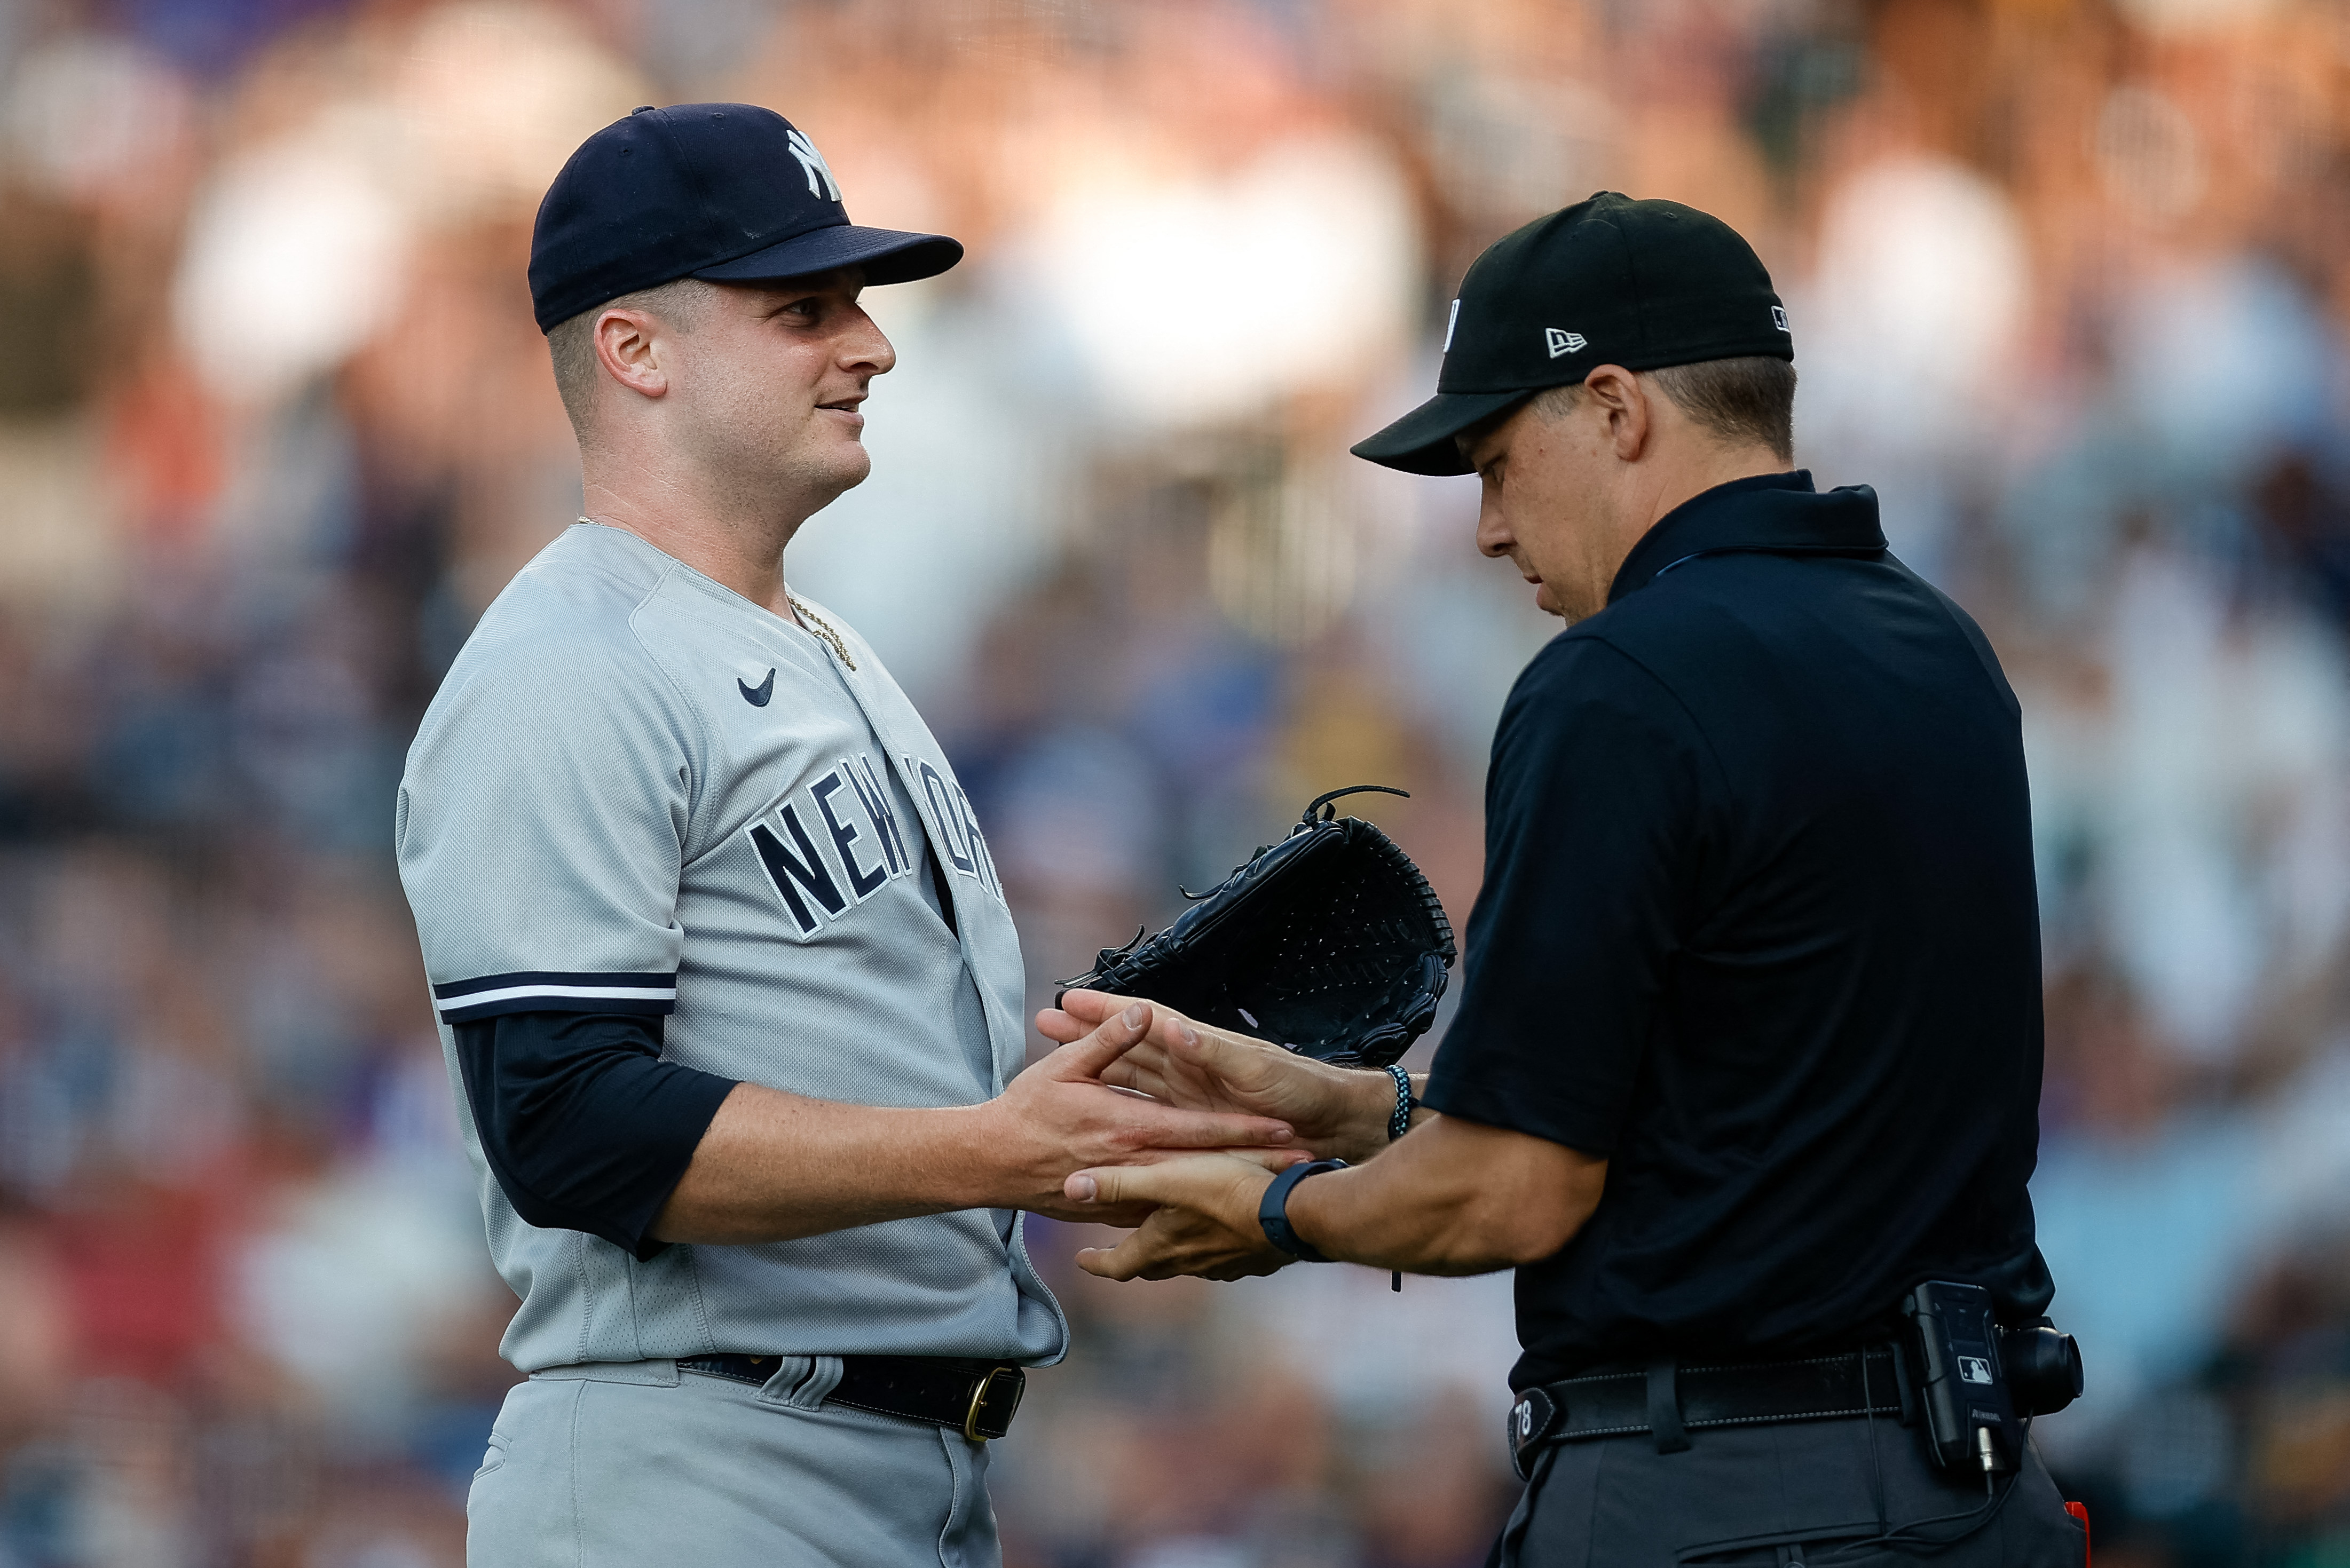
x=1759, y=925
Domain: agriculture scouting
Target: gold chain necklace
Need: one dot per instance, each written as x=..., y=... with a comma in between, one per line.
x=817, y=624
x=814, y=622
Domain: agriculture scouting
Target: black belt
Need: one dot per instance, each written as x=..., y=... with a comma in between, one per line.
x=976, y=1399
x=1667, y=1400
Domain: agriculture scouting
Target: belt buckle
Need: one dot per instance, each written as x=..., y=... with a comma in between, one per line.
x=983, y=1396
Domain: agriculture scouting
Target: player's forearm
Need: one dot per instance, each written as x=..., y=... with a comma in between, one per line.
x=1455, y=1199
x=775, y=1167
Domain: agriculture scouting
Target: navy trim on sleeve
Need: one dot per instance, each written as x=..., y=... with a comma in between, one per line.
x=551, y=991
x=583, y=1124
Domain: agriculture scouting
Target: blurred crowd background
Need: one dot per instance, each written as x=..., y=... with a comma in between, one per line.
x=2069, y=279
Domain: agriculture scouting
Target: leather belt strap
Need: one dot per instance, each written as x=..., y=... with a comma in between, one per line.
x=1668, y=1401
x=1665, y=1408
x=976, y=1399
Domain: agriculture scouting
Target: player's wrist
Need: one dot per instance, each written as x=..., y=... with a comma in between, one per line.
x=991, y=1156
x=1010, y=1152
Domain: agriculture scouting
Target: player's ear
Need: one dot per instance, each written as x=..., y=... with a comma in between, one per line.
x=629, y=347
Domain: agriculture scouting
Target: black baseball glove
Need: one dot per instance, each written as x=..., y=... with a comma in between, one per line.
x=1330, y=942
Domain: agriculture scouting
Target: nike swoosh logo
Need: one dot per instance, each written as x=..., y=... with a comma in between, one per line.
x=757, y=695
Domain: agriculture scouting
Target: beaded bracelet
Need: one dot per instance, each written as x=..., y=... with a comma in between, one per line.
x=1399, y=1120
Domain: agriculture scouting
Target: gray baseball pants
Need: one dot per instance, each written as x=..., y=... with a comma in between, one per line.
x=624, y=1465
x=1797, y=1492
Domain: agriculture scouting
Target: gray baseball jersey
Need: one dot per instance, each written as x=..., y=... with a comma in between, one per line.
x=639, y=792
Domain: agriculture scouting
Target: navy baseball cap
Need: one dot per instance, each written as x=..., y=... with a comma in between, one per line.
x=728, y=192
x=1609, y=281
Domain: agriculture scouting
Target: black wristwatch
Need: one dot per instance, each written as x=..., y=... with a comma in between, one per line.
x=1272, y=1210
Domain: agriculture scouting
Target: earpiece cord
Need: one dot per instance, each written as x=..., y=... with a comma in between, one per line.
x=1990, y=1508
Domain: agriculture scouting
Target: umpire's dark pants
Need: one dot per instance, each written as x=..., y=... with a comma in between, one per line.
x=1846, y=1493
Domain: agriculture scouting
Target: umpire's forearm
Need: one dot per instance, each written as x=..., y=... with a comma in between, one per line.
x=1371, y=1105
x=1455, y=1198
x=1339, y=1112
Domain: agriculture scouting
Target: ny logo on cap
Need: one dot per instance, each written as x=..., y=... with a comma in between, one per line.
x=813, y=165
x=1563, y=342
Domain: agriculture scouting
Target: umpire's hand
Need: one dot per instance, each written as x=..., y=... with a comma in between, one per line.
x=1455, y=1198
x=1069, y=1103
x=1338, y=1112
x=1202, y=1220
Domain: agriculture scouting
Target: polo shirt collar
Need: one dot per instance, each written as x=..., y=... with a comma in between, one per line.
x=1773, y=513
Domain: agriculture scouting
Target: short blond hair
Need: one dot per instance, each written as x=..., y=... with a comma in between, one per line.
x=683, y=303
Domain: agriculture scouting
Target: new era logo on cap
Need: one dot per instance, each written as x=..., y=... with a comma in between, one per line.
x=1779, y=317
x=1561, y=342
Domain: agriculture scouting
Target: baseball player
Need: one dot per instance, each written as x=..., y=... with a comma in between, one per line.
x=725, y=980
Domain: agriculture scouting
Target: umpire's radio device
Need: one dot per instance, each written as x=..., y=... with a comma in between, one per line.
x=1976, y=1381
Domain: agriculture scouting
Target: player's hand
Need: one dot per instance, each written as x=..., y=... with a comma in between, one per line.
x=1062, y=1114
x=1338, y=1112
x=1202, y=1220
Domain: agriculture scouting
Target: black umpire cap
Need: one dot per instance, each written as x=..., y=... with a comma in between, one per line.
x=1609, y=281
x=727, y=192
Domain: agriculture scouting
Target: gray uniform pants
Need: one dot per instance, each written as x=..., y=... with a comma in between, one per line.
x=1794, y=1492
x=627, y=1465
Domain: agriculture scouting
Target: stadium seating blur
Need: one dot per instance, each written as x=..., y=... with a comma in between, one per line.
x=2069, y=281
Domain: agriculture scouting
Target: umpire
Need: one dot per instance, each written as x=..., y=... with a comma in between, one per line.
x=1749, y=1044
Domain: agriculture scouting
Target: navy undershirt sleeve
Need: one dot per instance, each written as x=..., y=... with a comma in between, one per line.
x=583, y=1124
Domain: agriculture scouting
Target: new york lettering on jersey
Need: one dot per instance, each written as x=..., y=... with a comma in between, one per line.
x=810, y=844
x=964, y=846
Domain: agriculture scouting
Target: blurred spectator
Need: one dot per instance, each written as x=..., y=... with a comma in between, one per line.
x=2069, y=284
